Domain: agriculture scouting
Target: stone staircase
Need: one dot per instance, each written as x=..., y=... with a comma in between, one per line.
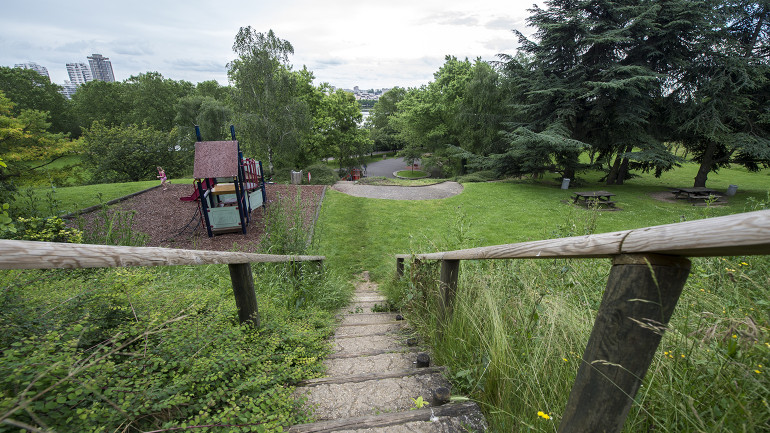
x=374, y=379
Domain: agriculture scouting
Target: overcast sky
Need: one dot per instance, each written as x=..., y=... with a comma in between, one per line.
x=344, y=42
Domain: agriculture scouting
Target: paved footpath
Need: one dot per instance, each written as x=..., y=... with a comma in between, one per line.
x=374, y=379
x=385, y=167
x=429, y=192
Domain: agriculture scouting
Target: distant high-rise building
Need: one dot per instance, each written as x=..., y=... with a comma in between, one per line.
x=101, y=68
x=79, y=73
x=68, y=89
x=42, y=70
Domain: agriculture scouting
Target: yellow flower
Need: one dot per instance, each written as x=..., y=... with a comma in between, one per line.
x=682, y=356
x=564, y=359
x=543, y=415
x=757, y=371
x=744, y=264
x=735, y=336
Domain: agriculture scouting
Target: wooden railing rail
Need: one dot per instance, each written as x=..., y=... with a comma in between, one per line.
x=54, y=255
x=649, y=270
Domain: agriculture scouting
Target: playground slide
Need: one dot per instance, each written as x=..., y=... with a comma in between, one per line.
x=192, y=197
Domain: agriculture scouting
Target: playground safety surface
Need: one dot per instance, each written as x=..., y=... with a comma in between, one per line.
x=170, y=222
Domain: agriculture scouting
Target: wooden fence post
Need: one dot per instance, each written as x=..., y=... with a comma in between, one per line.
x=399, y=267
x=642, y=291
x=243, y=289
x=450, y=269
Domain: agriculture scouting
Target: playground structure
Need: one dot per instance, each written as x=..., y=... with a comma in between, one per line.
x=227, y=185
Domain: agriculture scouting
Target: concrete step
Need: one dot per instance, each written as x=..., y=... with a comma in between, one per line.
x=371, y=329
x=383, y=363
x=365, y=343
x=366, y=318
x=453, y=417
x=370, y=394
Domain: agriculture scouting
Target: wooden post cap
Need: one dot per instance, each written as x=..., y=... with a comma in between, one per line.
x=441, y=396
x=423, y=360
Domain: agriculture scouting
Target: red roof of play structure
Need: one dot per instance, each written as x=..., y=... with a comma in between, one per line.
x=215, y=159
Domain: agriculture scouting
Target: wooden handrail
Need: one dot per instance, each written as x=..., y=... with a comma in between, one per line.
x=649, y=271
x=740, y=234
x=55, y=255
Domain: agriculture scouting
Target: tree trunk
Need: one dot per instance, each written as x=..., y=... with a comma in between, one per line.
x=613, y=174
x=705, y=165
x=619, y=169
x=622, y=172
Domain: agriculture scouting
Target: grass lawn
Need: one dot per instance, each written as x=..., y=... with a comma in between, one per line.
x=412, y=173
x=70, y=199
x=363, y=234
x=519, y=327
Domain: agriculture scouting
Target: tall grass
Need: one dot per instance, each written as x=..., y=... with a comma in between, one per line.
x=519, y=328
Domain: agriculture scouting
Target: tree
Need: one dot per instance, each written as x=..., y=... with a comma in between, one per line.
x=212, y=116
x=131, y=153
x=25, y=140
x=721, y=98
x=101, y=101
x=213, y=89
x=340, y=136
x=152, y=99
x=382, y=133
x=271, y=115
x=31, y=91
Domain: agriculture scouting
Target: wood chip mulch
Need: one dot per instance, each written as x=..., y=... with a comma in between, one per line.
x=170, y=222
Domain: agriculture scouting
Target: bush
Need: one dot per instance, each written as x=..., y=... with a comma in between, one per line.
x=479, y=176
x=320, y=174
x=43, y=229
x=132, y=153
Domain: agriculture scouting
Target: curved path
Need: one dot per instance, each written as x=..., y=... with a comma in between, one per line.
x=386, y=167
x=430, y=192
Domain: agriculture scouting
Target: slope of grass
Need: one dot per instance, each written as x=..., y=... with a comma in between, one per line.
x=519, y=328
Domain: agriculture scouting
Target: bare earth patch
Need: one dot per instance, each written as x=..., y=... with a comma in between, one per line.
x=170, y=222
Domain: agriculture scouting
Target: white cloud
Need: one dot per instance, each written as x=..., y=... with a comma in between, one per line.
x=347, y=43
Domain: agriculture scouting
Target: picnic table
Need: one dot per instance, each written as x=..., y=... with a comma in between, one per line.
x=700, y=192
x=594, y=197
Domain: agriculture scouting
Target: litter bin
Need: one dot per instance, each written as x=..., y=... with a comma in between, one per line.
x=565, y=183
x=296, y=177
x=731, y=190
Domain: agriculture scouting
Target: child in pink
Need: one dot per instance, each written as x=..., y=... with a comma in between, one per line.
x=162, y=176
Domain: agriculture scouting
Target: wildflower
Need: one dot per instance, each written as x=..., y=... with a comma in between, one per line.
x=564, y=359
x=543, y=415
x=757, y=371
x=735, y=336
x=682, y=355
x=744, y=264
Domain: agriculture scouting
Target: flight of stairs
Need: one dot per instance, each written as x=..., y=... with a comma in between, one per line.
x=374, y=382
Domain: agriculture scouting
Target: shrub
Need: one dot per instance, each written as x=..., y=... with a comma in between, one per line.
x=43, y=229
x=320, y=174
x=479, y=176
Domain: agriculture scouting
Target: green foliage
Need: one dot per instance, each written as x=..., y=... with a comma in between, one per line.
x=519, y=327
x=131, y=153
x=50, y=229
x=321, y=174
x=272, y=112
x=100, y=101
x=478, y=176
x=152, y=100
x=31, y=91
x=336, y=129
x=382, y=133
x=112, y=227
x=159, y=348
x=285, y=230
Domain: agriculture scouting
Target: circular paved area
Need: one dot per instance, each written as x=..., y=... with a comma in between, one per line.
x=430, y=192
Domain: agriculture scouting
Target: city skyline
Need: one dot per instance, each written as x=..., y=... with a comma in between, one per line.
x=346, y=44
